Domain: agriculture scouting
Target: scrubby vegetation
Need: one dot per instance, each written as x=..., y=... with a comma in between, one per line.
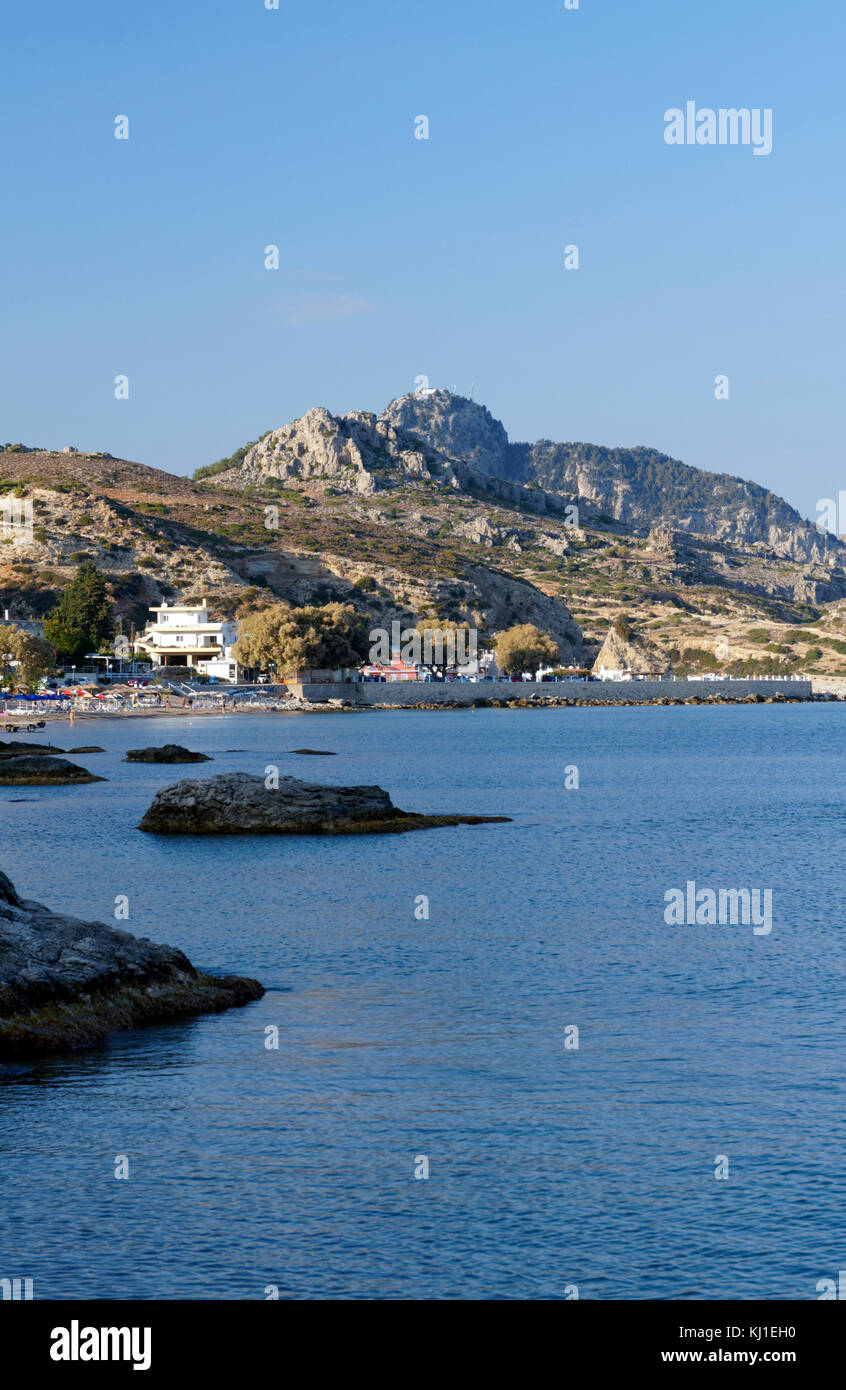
x=221, y=465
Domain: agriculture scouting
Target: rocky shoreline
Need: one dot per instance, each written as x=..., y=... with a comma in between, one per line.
x=67, y=983
x=562, y=702
x=477, y=702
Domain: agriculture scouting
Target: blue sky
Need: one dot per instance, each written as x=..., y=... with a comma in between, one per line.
x=441, y=257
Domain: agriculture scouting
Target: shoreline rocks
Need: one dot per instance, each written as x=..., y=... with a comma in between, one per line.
x=165, y=753
x=67, y=983
x=42, y=770
x=536, y=701
x=239, y=803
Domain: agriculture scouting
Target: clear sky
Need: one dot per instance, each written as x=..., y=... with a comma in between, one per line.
x=445, y=257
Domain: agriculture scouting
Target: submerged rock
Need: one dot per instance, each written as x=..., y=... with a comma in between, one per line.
x=87, y=748
x=65, y=983
x=38, y=769
x=167, y=753
x=239, y=803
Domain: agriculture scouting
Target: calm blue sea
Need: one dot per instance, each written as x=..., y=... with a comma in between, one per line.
x=401, y=1037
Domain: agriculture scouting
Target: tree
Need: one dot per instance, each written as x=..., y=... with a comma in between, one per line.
x=295, y=639
x=442, y=649
x=82, y=617
x=34, y=657
x=524, y=648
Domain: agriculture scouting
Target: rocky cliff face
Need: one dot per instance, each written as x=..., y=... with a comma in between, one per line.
x=454, y=425
x=352, y=451
x=640, y=487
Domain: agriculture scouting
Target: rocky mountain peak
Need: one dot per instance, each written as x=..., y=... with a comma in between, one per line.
x=350, y=451
x=453, y=424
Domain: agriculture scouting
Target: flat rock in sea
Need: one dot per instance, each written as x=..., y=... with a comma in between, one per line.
x=239, y=803
x=87, y=748
x=167, y=753
x=34, y=770
x=315, y=752
x=65, y=983
x=14, y=750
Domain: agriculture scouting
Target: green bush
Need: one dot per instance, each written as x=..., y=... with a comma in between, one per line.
x=221, y=465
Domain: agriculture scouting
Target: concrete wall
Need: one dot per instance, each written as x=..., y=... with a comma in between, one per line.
x=607, y=692
x=829, y=685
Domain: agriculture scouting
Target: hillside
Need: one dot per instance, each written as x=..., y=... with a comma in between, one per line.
x=159, y=536
x=429, y=511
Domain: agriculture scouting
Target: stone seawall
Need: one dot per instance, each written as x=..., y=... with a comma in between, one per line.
x=404, y=693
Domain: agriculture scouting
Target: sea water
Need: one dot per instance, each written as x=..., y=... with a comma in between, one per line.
x=500, y=1072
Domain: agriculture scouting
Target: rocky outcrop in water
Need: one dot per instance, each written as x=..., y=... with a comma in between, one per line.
x=14, y=750
x=239, y=803
x=39, y=769
x=167, y=753
x=66, y=983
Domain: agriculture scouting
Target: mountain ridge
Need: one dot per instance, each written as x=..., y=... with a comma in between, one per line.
x=429, y=511
x=609, y=479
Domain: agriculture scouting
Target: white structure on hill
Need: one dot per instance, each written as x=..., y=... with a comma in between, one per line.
x=33, y=626
x=184, y=635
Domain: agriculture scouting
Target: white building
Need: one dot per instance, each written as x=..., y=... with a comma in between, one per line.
x=33, y=626
x=184, y=635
